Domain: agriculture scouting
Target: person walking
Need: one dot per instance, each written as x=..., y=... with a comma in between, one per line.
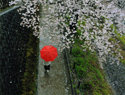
x=48, y=53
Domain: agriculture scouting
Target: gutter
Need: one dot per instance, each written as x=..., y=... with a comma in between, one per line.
x=67, y=61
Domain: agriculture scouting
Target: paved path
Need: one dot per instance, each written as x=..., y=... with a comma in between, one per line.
x=56, y=83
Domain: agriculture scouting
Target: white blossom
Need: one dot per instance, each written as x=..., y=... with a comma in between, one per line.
x=108, y=12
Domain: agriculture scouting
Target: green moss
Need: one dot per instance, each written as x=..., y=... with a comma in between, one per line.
x=78, y=33
x=81, y=42
x=99, y=75
x=122, y=60
x=81, y=72
x=68, y=17
x=79, y=22
x=95, y=7
x=80, y=61
x=122, y=38
x=86, y=16
x=111, y=39
x=87, y=66
x=105, y=92
x=83, y=23
x=77, y=91
x=90, y=30
x=106, y=19
x=30, y=74
x=67, y=20
x=102, y=19
x=77, y=51
x=87, y=86
x=74, y=86
x=122, y=42
x=97, y=93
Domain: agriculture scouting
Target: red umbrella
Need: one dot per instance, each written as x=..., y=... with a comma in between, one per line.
x=48, y=53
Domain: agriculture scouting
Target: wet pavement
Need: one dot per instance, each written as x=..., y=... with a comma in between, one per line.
x=56, y=82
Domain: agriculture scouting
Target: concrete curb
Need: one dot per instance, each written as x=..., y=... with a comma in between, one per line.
x=67, y=58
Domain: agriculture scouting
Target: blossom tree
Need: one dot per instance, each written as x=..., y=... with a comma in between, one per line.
x=93, y=22
x=91, y=17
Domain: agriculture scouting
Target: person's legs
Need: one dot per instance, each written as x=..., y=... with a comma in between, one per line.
x=45, y=67
x=48, y=68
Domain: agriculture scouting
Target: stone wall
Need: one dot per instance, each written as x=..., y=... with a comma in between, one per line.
x=115, y=74
x=13, y=40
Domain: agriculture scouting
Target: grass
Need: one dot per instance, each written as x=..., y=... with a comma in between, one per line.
x=89, y=71
x=76, y=51
x=87, y=68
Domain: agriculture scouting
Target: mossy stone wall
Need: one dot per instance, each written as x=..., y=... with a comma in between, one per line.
x=13, y=40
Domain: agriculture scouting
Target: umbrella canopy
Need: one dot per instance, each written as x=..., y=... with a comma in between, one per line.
x=48, y=53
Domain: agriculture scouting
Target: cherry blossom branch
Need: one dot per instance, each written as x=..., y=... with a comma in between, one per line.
x=91, y=12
